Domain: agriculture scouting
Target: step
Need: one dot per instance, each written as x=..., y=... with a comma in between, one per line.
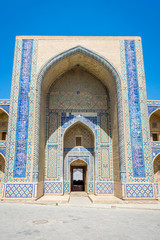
x=104, y=199
x=54, y=199
x=78, y=194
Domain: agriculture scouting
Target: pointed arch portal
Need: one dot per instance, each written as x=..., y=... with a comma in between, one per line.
x=106, y=77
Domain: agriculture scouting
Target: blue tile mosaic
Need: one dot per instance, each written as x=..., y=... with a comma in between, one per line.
x=23, y=109
x=155, y=152
x=134, y=111
x=5, y=107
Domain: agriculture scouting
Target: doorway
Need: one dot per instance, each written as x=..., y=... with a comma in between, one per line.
x=78, y=175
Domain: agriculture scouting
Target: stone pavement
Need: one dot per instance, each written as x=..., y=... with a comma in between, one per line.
x=88, y=202
x=71, y=222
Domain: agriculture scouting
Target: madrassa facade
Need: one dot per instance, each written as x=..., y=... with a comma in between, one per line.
x=78, y=120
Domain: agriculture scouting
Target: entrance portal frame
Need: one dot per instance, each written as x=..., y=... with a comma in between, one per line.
x=78, y=163
x=130, y=80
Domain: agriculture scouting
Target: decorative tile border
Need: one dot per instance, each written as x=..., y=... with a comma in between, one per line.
x=4, y=101
x=2, y=143
x=134, y=111
x=66, y=187
x=23, y=108
x=153, y=102
x=90, y=187
x=155, y=144
x=11, y=136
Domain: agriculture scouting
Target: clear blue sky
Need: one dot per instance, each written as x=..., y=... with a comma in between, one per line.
x=83, y=18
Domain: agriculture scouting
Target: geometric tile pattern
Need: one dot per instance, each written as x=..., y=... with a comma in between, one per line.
x=152, y=106
x=52, y=162
x=4, y=101
x=53, y=187
x=105, y=163
x=18, y=190
x=157, y=189
x=66, y=187
x=139, y=190
x=104, y=187
x=90, y=187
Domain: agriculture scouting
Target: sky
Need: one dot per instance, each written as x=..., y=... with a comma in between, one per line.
x=81, y=18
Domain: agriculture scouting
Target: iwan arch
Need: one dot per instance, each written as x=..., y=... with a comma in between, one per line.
x=79, y=120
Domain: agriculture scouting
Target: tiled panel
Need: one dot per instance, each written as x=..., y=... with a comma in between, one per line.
x=53, y=187
x=134, y=111
x=52, y=162
x=23, y=108
x=139, y=190
x=105, y=163
x=104, y=188
x=18, y=190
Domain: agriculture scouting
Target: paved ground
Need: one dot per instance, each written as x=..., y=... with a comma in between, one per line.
x=39, y=222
